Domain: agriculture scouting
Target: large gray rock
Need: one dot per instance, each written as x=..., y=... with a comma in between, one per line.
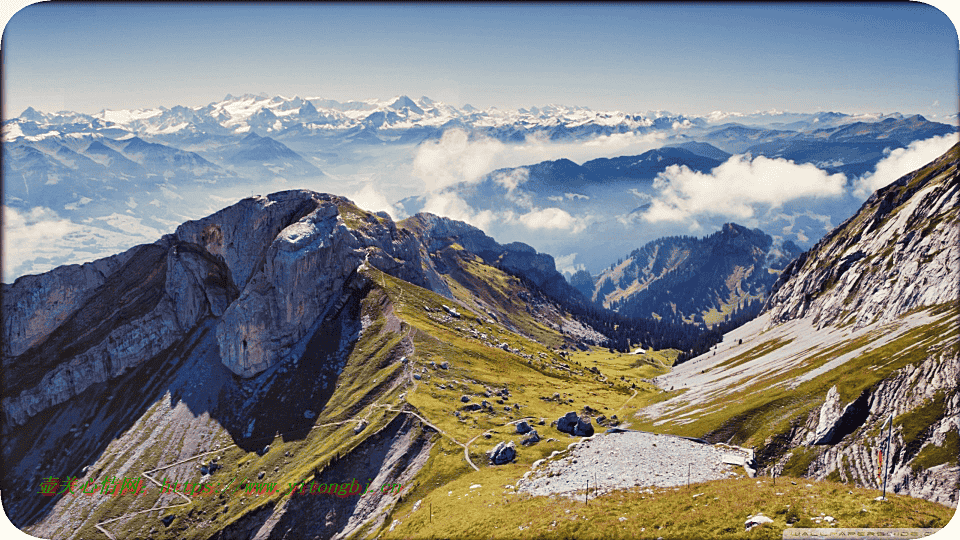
x=532, y=438
x=829, y=416
x=584, y=427
x=502, y=453
x=575, y=425
x=568, y=422
x=523, y=427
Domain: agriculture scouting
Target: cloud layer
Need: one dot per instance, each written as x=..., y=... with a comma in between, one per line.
x=904, y=160
x=738, y=188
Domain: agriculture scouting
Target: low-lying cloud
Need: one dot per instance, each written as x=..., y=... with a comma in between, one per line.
x=738, y=188
x=457, y=158
x=904, y=160
x=27, y=232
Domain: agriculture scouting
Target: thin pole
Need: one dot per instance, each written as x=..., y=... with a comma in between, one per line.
x=586, y=495
x=431, y=512
x=886, y=470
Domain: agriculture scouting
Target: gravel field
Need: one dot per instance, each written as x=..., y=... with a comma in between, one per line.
x=628, y=459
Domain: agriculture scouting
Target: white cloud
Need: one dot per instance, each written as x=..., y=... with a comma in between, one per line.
x=566, y=265
x=450, y=205
x=27, y=232
x=551, y=218
x=455, y=158
x=737, y=188
x=902, y=161
x=370, y=199
x=511, y=179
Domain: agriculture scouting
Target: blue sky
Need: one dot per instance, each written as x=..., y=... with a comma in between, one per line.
x=676, y=57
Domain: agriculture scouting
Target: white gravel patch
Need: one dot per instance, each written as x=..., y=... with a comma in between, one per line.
x=622, y=460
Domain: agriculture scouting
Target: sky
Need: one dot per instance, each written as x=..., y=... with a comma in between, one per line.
x=690, y=59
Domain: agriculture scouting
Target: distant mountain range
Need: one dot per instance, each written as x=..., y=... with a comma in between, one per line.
x=297, y=339
x=121, y=177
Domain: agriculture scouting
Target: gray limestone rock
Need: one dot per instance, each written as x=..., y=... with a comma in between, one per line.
x=502, y=453
x=532, y=438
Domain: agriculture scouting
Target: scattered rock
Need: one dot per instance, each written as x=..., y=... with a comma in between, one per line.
x=532, y=438
x=360, y=427
x=584, y=427
x=417, y=376
x=523, y=427
x=445, y=365
x=756, y=521
x=471, y=407
x=260, y=475
x=167, y=520
x=568, y=422
x=465, y=398
x=502, y=453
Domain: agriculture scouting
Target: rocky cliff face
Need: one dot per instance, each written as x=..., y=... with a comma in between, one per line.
x=899, y=252
x=515, y=258
x=924, y=403
x=863, y=328
x=683, y=277
x=268, y=270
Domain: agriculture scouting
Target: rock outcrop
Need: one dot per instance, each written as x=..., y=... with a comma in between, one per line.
x=899, y=252
x=578, y=426
x=268, y=271
x=502, y=453
x=933, y=384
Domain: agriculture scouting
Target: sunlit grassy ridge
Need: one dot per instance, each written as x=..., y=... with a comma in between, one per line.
x=480, y=505
x=401, y=319
x=766, y=407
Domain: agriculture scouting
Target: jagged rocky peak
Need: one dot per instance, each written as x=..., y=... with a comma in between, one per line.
x=684, y=276
x=898, y=253
x=264, y=273
x=515, y=258
x=266, y=270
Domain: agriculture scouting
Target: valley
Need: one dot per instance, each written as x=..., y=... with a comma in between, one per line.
x=440, y=360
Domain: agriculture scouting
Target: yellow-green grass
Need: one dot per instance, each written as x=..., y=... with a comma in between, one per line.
x=716, y=509
x=476, y=366
x=366, y=375
x=765, y=408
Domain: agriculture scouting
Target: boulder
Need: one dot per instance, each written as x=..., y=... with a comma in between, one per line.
x=584, y=427
x=532, y=438
x=502, y=453
x=471, y=407
x=465, y=398
x=523, y=427
x=567, y=422
x=756, y=521
x=575, y=425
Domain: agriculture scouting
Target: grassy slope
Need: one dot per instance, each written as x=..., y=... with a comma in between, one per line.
x=619, y=388
x=492, y=510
